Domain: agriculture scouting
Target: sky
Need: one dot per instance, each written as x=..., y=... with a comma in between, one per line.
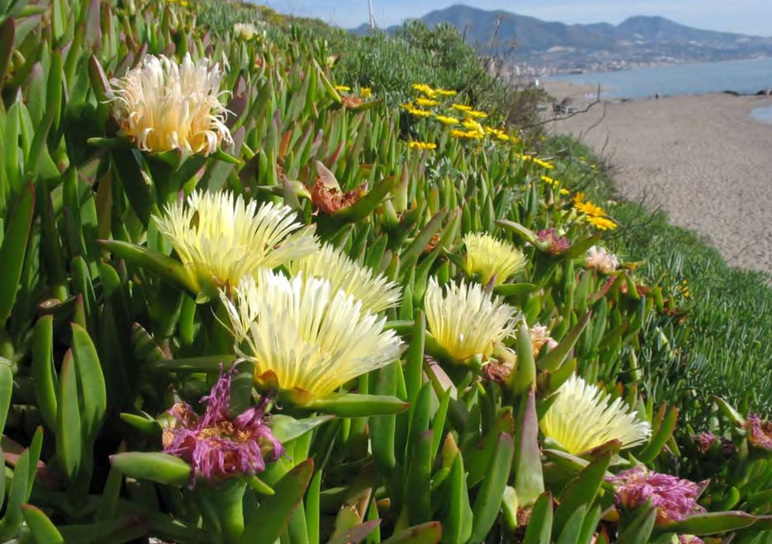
x=742, y=16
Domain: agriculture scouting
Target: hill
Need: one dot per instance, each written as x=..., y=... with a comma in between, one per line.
x=637, y=40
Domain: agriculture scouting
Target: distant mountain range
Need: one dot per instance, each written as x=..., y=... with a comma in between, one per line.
x=638, y=40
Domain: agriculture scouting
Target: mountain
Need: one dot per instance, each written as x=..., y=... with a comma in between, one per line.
x=637, y=40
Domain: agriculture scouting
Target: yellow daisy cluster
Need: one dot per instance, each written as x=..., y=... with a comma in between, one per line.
x=594, y=214
x=432, y=93
x=424, y=146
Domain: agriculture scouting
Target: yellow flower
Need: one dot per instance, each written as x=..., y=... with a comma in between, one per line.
x=304, y=338
x=549, y=180
x=427, y=102
x=489, y=257
x=222, y=239
x=471, y=124
x=477, y=114
x=462, y=107
x=587, y=207
x=498, y=133
x=446, y=120
x=583, y=417
x=468, y=134
x=365, y=92
x=423, y=145
x=343, y=88
x=445, y=92
x=601, y=223
x=543, y=164
x=465, y=321
x=163, y=106
x=412, y=110
x=375, y=291
x=425, y=89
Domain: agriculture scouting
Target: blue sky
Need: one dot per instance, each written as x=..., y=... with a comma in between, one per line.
x=743, y=16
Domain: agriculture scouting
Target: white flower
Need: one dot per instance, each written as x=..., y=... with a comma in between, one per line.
x=583, y=417
x=597, y=257
x=163, y=106
x=540, y=335
x=223, y=239
x=465, y=321
x=375, y=291
x=246, y=31
x=303, y=337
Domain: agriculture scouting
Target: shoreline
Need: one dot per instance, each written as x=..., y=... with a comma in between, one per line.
x=701, y=157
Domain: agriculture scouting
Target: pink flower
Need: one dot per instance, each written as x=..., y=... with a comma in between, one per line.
x=689, y=539
x=705, y=440
x=216, y=445
x=674, y=499
x=555, y=244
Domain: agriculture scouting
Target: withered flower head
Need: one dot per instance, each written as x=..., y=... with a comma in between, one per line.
x=555, y=243
x=759, y=432
x=330, y=200
x=217, y=445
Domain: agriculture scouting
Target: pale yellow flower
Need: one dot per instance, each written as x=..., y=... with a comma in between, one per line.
x=583, y=417
x=598, y=258
x=374, y=290
x=423, y=145
x=246, y=31
x=163, y=106
x=222, y=239
x=304, y=338
x=489, y=257
x=465, y=321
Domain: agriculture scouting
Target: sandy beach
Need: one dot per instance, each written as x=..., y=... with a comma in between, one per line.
x=702, y=158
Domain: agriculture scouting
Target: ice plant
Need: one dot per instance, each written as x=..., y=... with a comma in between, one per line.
x=465, y=321
x=674, y=499
x=221, y=238
x=162, y=105
x=598, y=258
x=375, y=291
x=583, y=417
x=304, y=338
x=601, y=223
x=217, y=445
x=586, y=207
x=490, y=257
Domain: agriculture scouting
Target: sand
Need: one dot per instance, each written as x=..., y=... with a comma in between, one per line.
x=702, y=158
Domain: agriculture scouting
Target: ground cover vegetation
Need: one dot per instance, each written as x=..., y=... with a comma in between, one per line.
x=248, y=295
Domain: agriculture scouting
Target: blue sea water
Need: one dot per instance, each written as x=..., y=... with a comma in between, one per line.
x=742, y=76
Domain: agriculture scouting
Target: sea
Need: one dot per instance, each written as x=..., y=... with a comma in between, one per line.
x=746, y=76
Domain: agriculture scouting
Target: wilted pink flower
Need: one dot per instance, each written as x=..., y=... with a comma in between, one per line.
x=705, y=440
x=759, y=432
x=674, y=499
x=216, y=445
x=555, y=243
x=689, y=539
x=599, y=258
